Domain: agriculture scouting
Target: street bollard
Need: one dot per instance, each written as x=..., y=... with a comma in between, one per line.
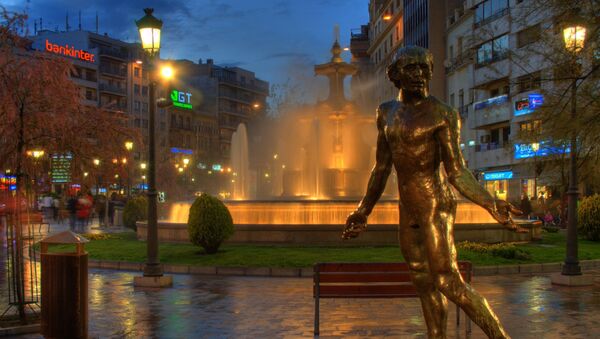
x=64, y=288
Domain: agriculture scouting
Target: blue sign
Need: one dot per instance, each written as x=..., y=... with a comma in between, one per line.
x=535, y=100
x=181, y=150
x=526, y=106
x=490, y=102
x=504, y=175
x=542, y=149
x=143, y=186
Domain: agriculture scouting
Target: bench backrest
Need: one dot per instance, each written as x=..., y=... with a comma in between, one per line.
x=368, y=280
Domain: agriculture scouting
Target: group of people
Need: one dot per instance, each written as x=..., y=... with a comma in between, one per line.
x=80, y=209
x=542, y=209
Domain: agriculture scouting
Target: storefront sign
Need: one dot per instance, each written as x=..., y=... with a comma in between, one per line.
x=70, y=51
x=61, y=168
x=181, y=150
x=542, y=149
x=216, y=167
x=8, y=183
x=526, y=106
x=162, y=197
x=181, y=99
x=504, y=175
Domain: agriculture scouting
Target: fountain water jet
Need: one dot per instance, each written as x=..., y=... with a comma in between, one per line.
x=240, y=163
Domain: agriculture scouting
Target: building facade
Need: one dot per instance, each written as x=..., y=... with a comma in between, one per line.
x=496, y=91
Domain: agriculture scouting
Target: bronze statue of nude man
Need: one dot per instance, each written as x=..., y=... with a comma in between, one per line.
x=417, y=134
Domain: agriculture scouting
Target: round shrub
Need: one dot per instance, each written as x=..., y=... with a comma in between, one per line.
x=588, y=214
x=136, y=209
x=209, y=223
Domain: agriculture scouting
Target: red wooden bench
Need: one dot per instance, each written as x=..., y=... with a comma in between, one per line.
x=370, y=280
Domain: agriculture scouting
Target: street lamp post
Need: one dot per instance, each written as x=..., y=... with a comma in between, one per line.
x=574, y=38
x=149, y=28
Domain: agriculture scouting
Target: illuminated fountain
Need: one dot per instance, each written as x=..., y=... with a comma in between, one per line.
x=323, y=157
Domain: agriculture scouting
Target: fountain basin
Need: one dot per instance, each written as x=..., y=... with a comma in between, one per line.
x=321, y=222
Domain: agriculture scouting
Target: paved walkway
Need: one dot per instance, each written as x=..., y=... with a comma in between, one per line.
x=246, y=307
x=255, y=307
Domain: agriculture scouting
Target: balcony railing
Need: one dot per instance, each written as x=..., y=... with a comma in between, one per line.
x=112, y=53
x=113, y=71
x=113, y=89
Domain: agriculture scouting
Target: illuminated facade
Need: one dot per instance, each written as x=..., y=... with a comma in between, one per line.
x=495, y=94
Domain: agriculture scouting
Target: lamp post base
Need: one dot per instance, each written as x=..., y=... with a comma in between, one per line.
x=156, y=282
x=571, y=280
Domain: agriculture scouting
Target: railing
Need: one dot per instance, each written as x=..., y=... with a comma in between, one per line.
x=112, y=89
x=459, y=61
x=113, y=71
x=113, y=53
x=491, y=18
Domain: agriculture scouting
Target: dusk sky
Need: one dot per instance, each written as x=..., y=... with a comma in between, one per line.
x=277, y=39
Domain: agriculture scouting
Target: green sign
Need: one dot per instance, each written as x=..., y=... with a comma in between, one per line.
x=61, y=168
x=181, y=99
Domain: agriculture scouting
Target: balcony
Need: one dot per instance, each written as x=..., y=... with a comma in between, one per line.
x=112, y=89
x=262, y=89
x=491, y=155
x=114, y=71
x=113, y=53
x=460, y=61
x=490, y=111
x=494, y=69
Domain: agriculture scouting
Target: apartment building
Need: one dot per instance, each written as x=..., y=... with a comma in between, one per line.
x=397, y=23
x=496, y=92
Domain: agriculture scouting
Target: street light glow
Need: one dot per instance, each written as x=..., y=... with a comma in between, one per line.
x=574, y=37
x=186, y=161
x=149, y=28
x=143, y=165
x=167, y=72
x=96, y=162
x=129, y=145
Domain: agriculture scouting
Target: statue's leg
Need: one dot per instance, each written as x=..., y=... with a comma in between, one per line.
x=439, y=240
x=433, y=303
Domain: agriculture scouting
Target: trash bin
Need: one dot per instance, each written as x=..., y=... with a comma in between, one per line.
x=64, y=288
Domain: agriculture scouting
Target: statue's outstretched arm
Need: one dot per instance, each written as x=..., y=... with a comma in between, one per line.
x=381, y=170
x=462, y=178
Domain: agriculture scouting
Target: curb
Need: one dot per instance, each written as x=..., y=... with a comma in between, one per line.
x=18, y=330
x=307, y=272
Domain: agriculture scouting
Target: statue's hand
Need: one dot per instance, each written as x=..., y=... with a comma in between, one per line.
x=355, y=223
x=501, y=212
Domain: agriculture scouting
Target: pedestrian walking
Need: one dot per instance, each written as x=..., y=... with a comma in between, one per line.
x=72, y=208
x=525, y=205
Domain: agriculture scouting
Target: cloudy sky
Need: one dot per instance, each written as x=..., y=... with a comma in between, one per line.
x=277, y=39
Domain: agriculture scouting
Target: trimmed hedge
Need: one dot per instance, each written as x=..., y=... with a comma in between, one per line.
x=209, y=223
x=503, y=250
x=588, y=213
x=136, y=209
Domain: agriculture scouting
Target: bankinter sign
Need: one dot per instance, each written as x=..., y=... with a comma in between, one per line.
x=69, y=51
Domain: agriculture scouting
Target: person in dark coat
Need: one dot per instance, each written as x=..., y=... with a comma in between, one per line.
x=526, y=205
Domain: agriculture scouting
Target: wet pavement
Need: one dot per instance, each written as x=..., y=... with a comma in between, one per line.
x=247, y=307
x=263, y=307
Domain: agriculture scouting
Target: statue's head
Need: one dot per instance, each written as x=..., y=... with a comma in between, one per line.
x=411, y=70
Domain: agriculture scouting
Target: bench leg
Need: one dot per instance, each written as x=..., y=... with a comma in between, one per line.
x=316, y=329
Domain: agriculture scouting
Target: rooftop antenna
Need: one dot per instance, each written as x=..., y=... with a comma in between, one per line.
x=80, y=20
x=96, y=22
x=67, y=21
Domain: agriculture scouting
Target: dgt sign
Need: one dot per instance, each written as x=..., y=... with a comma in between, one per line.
x=181, y=99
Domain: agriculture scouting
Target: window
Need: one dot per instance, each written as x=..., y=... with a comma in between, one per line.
x=136, y=89
x=490, y=10
x=136, y=106
x=452, y=99
x=529, y=81
x=461, y=98
x=528, y=35
x=145, y=107
x=493, y=50
x=533, y=127
x=144, y=90
x=136, y=123
x=136, y=72
x=173, y=120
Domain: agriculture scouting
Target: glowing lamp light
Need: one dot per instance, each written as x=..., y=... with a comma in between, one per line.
x=114, y=161
x=139, y=62
x=387, y=17
x=186, y=161
x=574, y=37
x=167, y=72
x=149, y=27
x=85, y=174
x=143, y=165
x=180, y=169
x=96, y=162
x=129, y=145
